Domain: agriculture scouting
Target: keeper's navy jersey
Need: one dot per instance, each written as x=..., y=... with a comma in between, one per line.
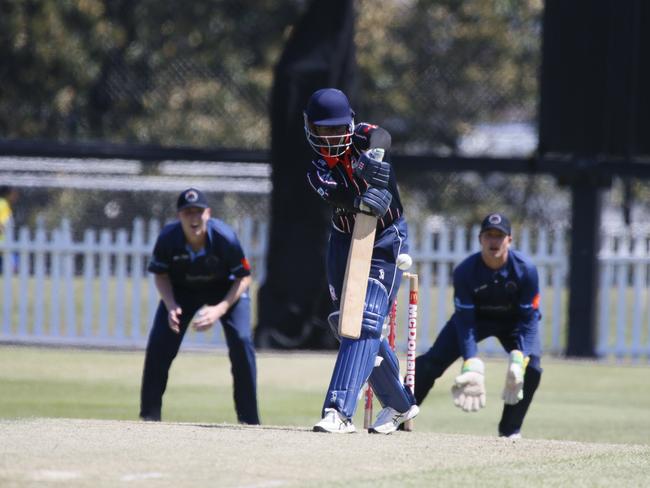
x=333, y=179
x=508, y=296
x=204, y=276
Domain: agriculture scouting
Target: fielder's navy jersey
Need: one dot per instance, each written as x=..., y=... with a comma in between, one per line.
x=334, y=180
x=204, y=276
x=508, y=296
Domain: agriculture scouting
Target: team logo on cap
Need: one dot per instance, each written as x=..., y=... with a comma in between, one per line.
x=494, y=219
x=191, y=196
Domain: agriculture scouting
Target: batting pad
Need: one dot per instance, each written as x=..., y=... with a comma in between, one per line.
x=386, y=382
x=356, y=357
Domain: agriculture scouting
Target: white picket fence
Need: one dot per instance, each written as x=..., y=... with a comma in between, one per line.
x=624, y=301
x=96, y=291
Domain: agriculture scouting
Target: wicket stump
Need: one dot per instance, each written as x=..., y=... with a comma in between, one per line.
x=412, y=338
x=411, y=347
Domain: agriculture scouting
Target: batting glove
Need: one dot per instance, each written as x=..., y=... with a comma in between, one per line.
x=375, y=201
x=513, y=390
x=371, y=168
x=469, y=387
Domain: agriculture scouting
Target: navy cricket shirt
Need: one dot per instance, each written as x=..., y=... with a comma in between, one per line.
x=507, y=297
x=204, y=276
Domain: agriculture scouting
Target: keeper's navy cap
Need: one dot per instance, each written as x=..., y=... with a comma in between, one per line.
x=496, y=221
x=191, y=198
x=329, y=106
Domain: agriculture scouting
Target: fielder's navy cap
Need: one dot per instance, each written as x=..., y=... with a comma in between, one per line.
x=191, y=198
x=329, y=106
x=496, y=221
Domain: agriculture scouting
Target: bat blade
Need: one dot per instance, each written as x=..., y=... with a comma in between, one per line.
x=357, y=271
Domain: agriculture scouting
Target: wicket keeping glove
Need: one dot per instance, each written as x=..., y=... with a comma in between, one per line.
x=513, y=391
x=371, y=168
x=469, y=387
x=375, y=201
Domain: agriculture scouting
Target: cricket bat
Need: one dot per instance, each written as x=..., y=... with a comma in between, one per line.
x=357, y=270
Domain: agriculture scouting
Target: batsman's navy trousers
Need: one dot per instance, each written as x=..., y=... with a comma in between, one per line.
x=163, y=346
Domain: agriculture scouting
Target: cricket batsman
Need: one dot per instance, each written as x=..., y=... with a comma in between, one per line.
x=347, y=176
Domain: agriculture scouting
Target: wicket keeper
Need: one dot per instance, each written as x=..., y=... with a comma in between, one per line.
x=496, y=293
x=347, y=176
x=202, y=276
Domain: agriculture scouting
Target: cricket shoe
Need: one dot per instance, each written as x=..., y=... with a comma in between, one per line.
x=390, y=419
x=516, y=435
x=335, y=423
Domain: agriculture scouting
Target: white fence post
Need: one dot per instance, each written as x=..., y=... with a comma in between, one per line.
x=606, y=279
x=444, y=260
x=541, y=255
x=137, y=271
x=105, y=247
x=152, y=293
x=40, y=248
x=426, y=283
x=23, y=280
x=68, y=255
x=639, y=278
x=621, y=288
x=90, y=249
x=55, y=283
x=262, y=243
x=558, y=280
x=120, y=285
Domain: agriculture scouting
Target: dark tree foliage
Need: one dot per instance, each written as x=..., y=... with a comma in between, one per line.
x=199, y=73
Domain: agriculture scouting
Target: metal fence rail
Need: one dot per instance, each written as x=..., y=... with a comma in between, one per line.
x=96, y=291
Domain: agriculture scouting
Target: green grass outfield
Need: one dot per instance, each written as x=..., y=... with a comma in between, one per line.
x=587, y=406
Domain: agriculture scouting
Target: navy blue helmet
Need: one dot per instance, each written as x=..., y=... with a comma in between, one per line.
x=329, y=122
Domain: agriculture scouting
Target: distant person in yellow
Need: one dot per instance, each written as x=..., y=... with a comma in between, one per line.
x=8, y=197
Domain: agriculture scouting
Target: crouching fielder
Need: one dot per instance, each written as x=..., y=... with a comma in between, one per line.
x=496, y=293
x=347, y=177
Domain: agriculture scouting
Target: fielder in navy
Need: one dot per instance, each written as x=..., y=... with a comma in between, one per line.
x=198, y=261
x=496, y=293
x=350, y=175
